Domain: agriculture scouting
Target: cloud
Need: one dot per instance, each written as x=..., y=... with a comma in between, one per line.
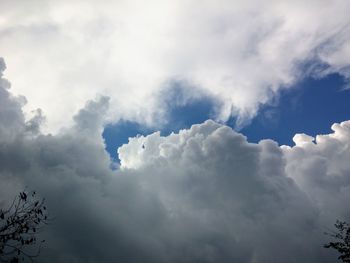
x=211, y=178
x=320, y=168
x=202, y=195
x=241, y=52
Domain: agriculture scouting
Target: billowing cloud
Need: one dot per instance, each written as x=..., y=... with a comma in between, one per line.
x=320, y=167
x=62, y=54
x=202, y=195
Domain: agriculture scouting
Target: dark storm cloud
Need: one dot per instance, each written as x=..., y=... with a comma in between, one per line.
x=203, y=195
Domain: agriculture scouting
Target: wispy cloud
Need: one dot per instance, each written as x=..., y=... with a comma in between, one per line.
x=64, y=53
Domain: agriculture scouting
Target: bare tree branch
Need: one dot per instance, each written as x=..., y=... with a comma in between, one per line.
x=19, y=225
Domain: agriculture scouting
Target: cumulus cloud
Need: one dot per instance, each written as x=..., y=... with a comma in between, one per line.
x=202, y=195
x=320, y=167
x=242, y=52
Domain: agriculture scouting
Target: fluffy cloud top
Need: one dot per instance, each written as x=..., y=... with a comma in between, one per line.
x=61, y=53
x=203, y=195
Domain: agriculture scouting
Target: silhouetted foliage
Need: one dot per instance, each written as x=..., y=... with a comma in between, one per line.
x=342, y=243
x=20, y=225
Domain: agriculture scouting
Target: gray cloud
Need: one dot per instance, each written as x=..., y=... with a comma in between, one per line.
x=203, y=195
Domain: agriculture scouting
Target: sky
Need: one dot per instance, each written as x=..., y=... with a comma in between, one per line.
x=178, y=131
x=311, y=106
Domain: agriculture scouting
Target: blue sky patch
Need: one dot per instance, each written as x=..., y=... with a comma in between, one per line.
x=182, y=111
x=118, y=134
x=310, y=107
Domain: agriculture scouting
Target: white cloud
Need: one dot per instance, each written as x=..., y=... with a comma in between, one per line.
x=322, y=169
x=63, y=53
